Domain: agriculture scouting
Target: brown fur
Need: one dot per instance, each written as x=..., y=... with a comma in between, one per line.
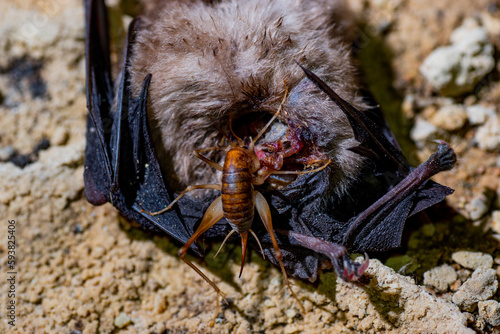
x=211, y=59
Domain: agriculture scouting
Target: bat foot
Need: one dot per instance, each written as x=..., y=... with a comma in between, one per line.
x=345, y=268
x=349, y=270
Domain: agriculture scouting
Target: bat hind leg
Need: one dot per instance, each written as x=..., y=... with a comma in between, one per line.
x=346, y=269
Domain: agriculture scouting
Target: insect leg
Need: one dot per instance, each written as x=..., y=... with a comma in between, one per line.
x=278, y=182
x=208, y=161
x=263, y=174
x=189, y=188
x=265, y=214
x=213, y=148
x=301, y=172
x=213, y=214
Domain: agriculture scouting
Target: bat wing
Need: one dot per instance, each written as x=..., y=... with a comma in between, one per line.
x=384, y=220
x=363, y=220
x=120, y=162
x=98, y=174
x=121, y=168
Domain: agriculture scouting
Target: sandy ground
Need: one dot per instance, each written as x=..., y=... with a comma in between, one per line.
x=85, y=269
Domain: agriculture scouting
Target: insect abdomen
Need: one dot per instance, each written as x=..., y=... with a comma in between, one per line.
x=237, y=191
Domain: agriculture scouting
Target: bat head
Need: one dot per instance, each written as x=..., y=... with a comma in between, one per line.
x=211, y=60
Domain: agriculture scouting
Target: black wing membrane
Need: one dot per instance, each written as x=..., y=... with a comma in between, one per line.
x=98, y=174
x=377, y=207
x=120, y=161
x=380, y=226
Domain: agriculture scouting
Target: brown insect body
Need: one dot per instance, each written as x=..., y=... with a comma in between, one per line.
x=237, y=190
x=237, y=194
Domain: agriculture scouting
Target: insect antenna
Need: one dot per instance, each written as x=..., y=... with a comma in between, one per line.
x=220, y=129
x=240, y=141
x=271, y=120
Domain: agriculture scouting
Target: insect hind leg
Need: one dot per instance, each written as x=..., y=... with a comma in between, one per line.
x=213, y=214
x=265, y=214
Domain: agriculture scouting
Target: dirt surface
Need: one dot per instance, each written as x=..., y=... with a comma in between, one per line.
x=84, y=269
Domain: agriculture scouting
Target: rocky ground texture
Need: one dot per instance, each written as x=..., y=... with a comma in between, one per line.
x=432, y=65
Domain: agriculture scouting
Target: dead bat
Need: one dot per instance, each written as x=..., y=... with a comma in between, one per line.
x=192, y=66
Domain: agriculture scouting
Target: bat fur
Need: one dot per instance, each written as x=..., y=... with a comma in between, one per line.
x=210, y=59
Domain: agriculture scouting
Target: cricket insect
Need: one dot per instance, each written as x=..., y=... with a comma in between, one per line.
x=240, y=173
x=190, y=62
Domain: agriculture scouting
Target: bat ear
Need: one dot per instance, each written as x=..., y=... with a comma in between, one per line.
x=373, y=143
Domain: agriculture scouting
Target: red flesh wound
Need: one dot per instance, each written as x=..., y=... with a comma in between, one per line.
x=291, y=148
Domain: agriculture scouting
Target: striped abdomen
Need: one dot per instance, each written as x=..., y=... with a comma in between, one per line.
x=237, y=190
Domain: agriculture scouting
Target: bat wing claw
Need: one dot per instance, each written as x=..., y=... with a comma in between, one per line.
x=446, y=155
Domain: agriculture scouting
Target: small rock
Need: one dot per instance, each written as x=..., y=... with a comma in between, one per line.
x=457, y=68
x=60, y=136
x=428, y=230
x=422, y=130
x=408, y=106
x=33, y=297
x=488, y=135
x=440, y=277
x=495, y=221
x=450, y=118
x=6, y=153
x=478, y=206
x=98, y=252
x=291, y=313
x=122, y=320
x=470, y=100
x=463, y=274
x=160, y=304
x=402, y=264
x=480, y=286
x=489, y=310
x=491, y=23
x=456, y=285
x=473, y=260
x=477, y=114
